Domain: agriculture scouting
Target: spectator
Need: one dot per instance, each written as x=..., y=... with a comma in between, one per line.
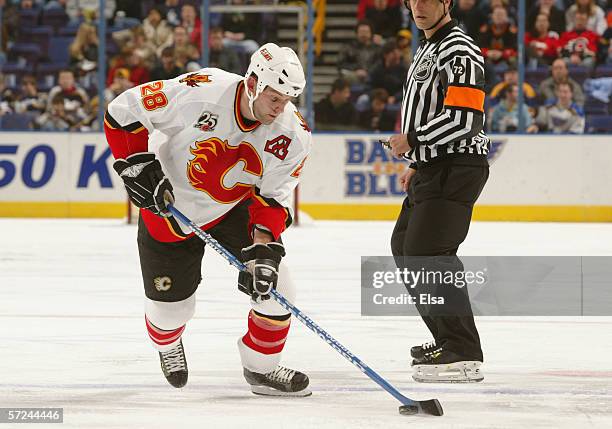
x=191, y=23
x=404, y=39
x=30, y=100
x=505, y=116
x=85, y=44
x=469, y=17
x=168, y=68
x=221, y=56
x=564, y=116
x=135, y=38
x=378, y=117
x=560, y=74
x=184, y=51
x=87, y=9
x=141, y=45
x=386, y=20
x=579, y=47
x=241, y=29
x=10, y=24
x=505, y=4
x=542, y=44
x=139, y=73
x=90, y=122
x=358, y=56
x=498, y=40
x=364, y=5
x=58, y=117
x=172, y=11
x=606, y=43
x=7, y=96
x=556, y=17
x=84, y=48
x=130, y=59
x=595, y=21
x=390, y=73
x=156, y=29
x=74, y=98
x=335, y=111
x=121, y=82
x=511, y=78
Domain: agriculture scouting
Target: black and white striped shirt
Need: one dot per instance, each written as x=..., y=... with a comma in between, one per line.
x=443, y=101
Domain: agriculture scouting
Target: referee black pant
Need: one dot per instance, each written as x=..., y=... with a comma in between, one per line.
x=434, y=221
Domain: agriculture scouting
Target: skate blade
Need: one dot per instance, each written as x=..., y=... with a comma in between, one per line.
x=457, y=372
x=268, y=391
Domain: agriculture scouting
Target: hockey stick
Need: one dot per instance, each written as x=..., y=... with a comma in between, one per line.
x=409, y=406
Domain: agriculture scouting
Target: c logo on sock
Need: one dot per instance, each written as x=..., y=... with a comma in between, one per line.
x=162, y=284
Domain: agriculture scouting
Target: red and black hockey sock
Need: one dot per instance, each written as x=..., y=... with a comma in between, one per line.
x=161, y=337
x=267, y=334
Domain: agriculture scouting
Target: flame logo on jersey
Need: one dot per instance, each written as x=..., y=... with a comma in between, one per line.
x=195, y=79
x=303, y=122
x=212, y=160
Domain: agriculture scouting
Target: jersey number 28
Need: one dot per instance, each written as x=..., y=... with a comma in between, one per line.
x=152, y=96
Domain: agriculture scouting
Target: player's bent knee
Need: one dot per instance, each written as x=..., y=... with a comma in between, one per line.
x=170, y=315
x=286, y=287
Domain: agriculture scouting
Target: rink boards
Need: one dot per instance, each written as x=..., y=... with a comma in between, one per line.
x=347, y=176
x=533, y=178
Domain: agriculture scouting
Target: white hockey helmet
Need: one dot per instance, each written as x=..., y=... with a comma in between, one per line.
x=276, y=67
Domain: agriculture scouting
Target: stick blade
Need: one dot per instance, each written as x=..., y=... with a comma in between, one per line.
x=431, y=407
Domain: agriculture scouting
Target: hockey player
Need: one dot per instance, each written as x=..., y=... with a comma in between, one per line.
x=228, y=150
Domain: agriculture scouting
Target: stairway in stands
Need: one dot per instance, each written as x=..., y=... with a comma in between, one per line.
x=341, y=19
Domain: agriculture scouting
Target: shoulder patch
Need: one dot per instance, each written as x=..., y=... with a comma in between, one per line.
x=458, y=68
x=195, y=79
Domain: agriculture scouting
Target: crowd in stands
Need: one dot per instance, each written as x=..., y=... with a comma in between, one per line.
x=568, y=59
x=49, y=58
x=49, y=53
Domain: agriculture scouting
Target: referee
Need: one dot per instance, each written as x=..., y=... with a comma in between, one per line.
x=443, y=140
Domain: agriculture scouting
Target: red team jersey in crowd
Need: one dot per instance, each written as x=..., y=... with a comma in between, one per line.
x=214, y=158
x=578, y=42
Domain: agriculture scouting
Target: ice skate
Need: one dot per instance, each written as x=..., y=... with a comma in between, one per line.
x=417, y=352
x=280, y=382
x=443, y=366
x=174, y=365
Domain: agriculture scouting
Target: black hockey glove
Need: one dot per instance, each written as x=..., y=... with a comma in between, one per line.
x=145, y=182
x=262, y=261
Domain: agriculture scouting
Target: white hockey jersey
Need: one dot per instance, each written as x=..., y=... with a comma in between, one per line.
x=211, y=155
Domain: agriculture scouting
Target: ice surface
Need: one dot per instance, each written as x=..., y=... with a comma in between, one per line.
x=73, y=336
